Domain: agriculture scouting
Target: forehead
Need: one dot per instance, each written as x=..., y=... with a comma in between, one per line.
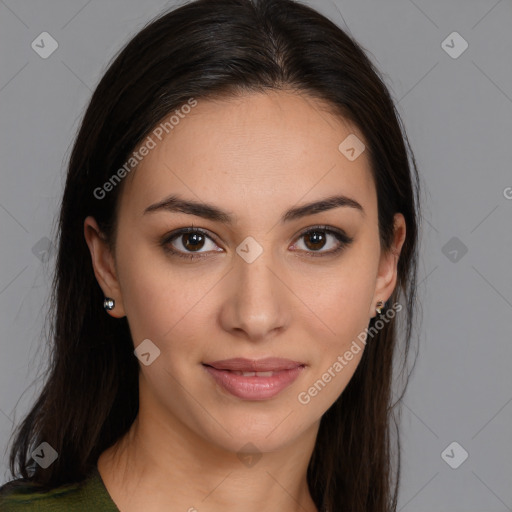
x=241, y=150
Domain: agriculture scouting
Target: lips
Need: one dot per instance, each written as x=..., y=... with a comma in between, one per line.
x=269, y=364
x=254, y=379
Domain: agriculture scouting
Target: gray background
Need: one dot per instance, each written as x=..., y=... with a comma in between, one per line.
x=458, y=115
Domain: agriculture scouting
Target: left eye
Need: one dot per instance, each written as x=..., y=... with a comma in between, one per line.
x=318, y=238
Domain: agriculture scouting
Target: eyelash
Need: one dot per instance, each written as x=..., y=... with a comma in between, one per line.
x=343, y=239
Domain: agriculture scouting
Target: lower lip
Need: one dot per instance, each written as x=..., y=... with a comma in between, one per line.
x=254, y=388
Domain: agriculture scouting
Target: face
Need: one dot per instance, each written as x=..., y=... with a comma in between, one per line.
x=260, y=277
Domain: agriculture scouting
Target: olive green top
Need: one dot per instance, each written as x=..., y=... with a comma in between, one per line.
x=88, y=495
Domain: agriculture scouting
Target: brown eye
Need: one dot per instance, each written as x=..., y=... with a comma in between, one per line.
x=318, y=238
x=187, y=241
x=315, y=240
x=192, y=241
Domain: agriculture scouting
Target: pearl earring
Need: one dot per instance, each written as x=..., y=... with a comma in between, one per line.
x=109, y=303
x=380, y=304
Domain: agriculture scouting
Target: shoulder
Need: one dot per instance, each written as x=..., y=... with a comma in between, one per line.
x=21, y=496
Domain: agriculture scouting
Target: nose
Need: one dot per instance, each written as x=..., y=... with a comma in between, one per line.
x=257, y=303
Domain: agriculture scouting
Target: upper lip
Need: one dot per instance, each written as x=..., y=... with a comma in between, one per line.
x=267, y=364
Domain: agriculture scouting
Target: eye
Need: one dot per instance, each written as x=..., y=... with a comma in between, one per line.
x=317, y=238
x=186, y=242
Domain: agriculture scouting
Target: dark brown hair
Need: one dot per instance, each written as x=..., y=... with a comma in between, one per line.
x=206, y=49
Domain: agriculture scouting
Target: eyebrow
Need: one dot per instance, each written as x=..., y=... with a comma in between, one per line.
x=208, y=211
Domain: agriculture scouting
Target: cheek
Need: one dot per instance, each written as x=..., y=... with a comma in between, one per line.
x=162, y=300
x=344, y=301
x=337, y=354
x=343, y=306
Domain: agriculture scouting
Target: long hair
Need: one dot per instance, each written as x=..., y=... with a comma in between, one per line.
x=207, y=49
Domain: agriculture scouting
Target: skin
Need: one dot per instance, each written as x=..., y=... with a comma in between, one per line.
x=255, y=156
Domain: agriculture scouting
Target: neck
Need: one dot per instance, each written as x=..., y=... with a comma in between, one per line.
x=157, y=463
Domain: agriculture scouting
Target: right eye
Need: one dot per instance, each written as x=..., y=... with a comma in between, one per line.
x=185, y=242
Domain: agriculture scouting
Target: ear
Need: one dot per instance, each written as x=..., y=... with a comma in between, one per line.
x=104, y=265
x=387, y=273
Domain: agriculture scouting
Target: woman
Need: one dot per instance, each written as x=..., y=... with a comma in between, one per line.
x=238, y=239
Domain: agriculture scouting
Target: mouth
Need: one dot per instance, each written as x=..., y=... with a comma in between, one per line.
x=269, y=364
x=254, y=379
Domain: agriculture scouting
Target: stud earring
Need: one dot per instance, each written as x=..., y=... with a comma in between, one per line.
x=380, y=304
x=109, y=303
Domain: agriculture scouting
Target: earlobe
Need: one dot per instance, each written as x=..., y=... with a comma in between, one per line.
x=103, y=265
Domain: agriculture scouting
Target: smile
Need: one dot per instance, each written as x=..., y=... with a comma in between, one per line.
x=254, y=380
